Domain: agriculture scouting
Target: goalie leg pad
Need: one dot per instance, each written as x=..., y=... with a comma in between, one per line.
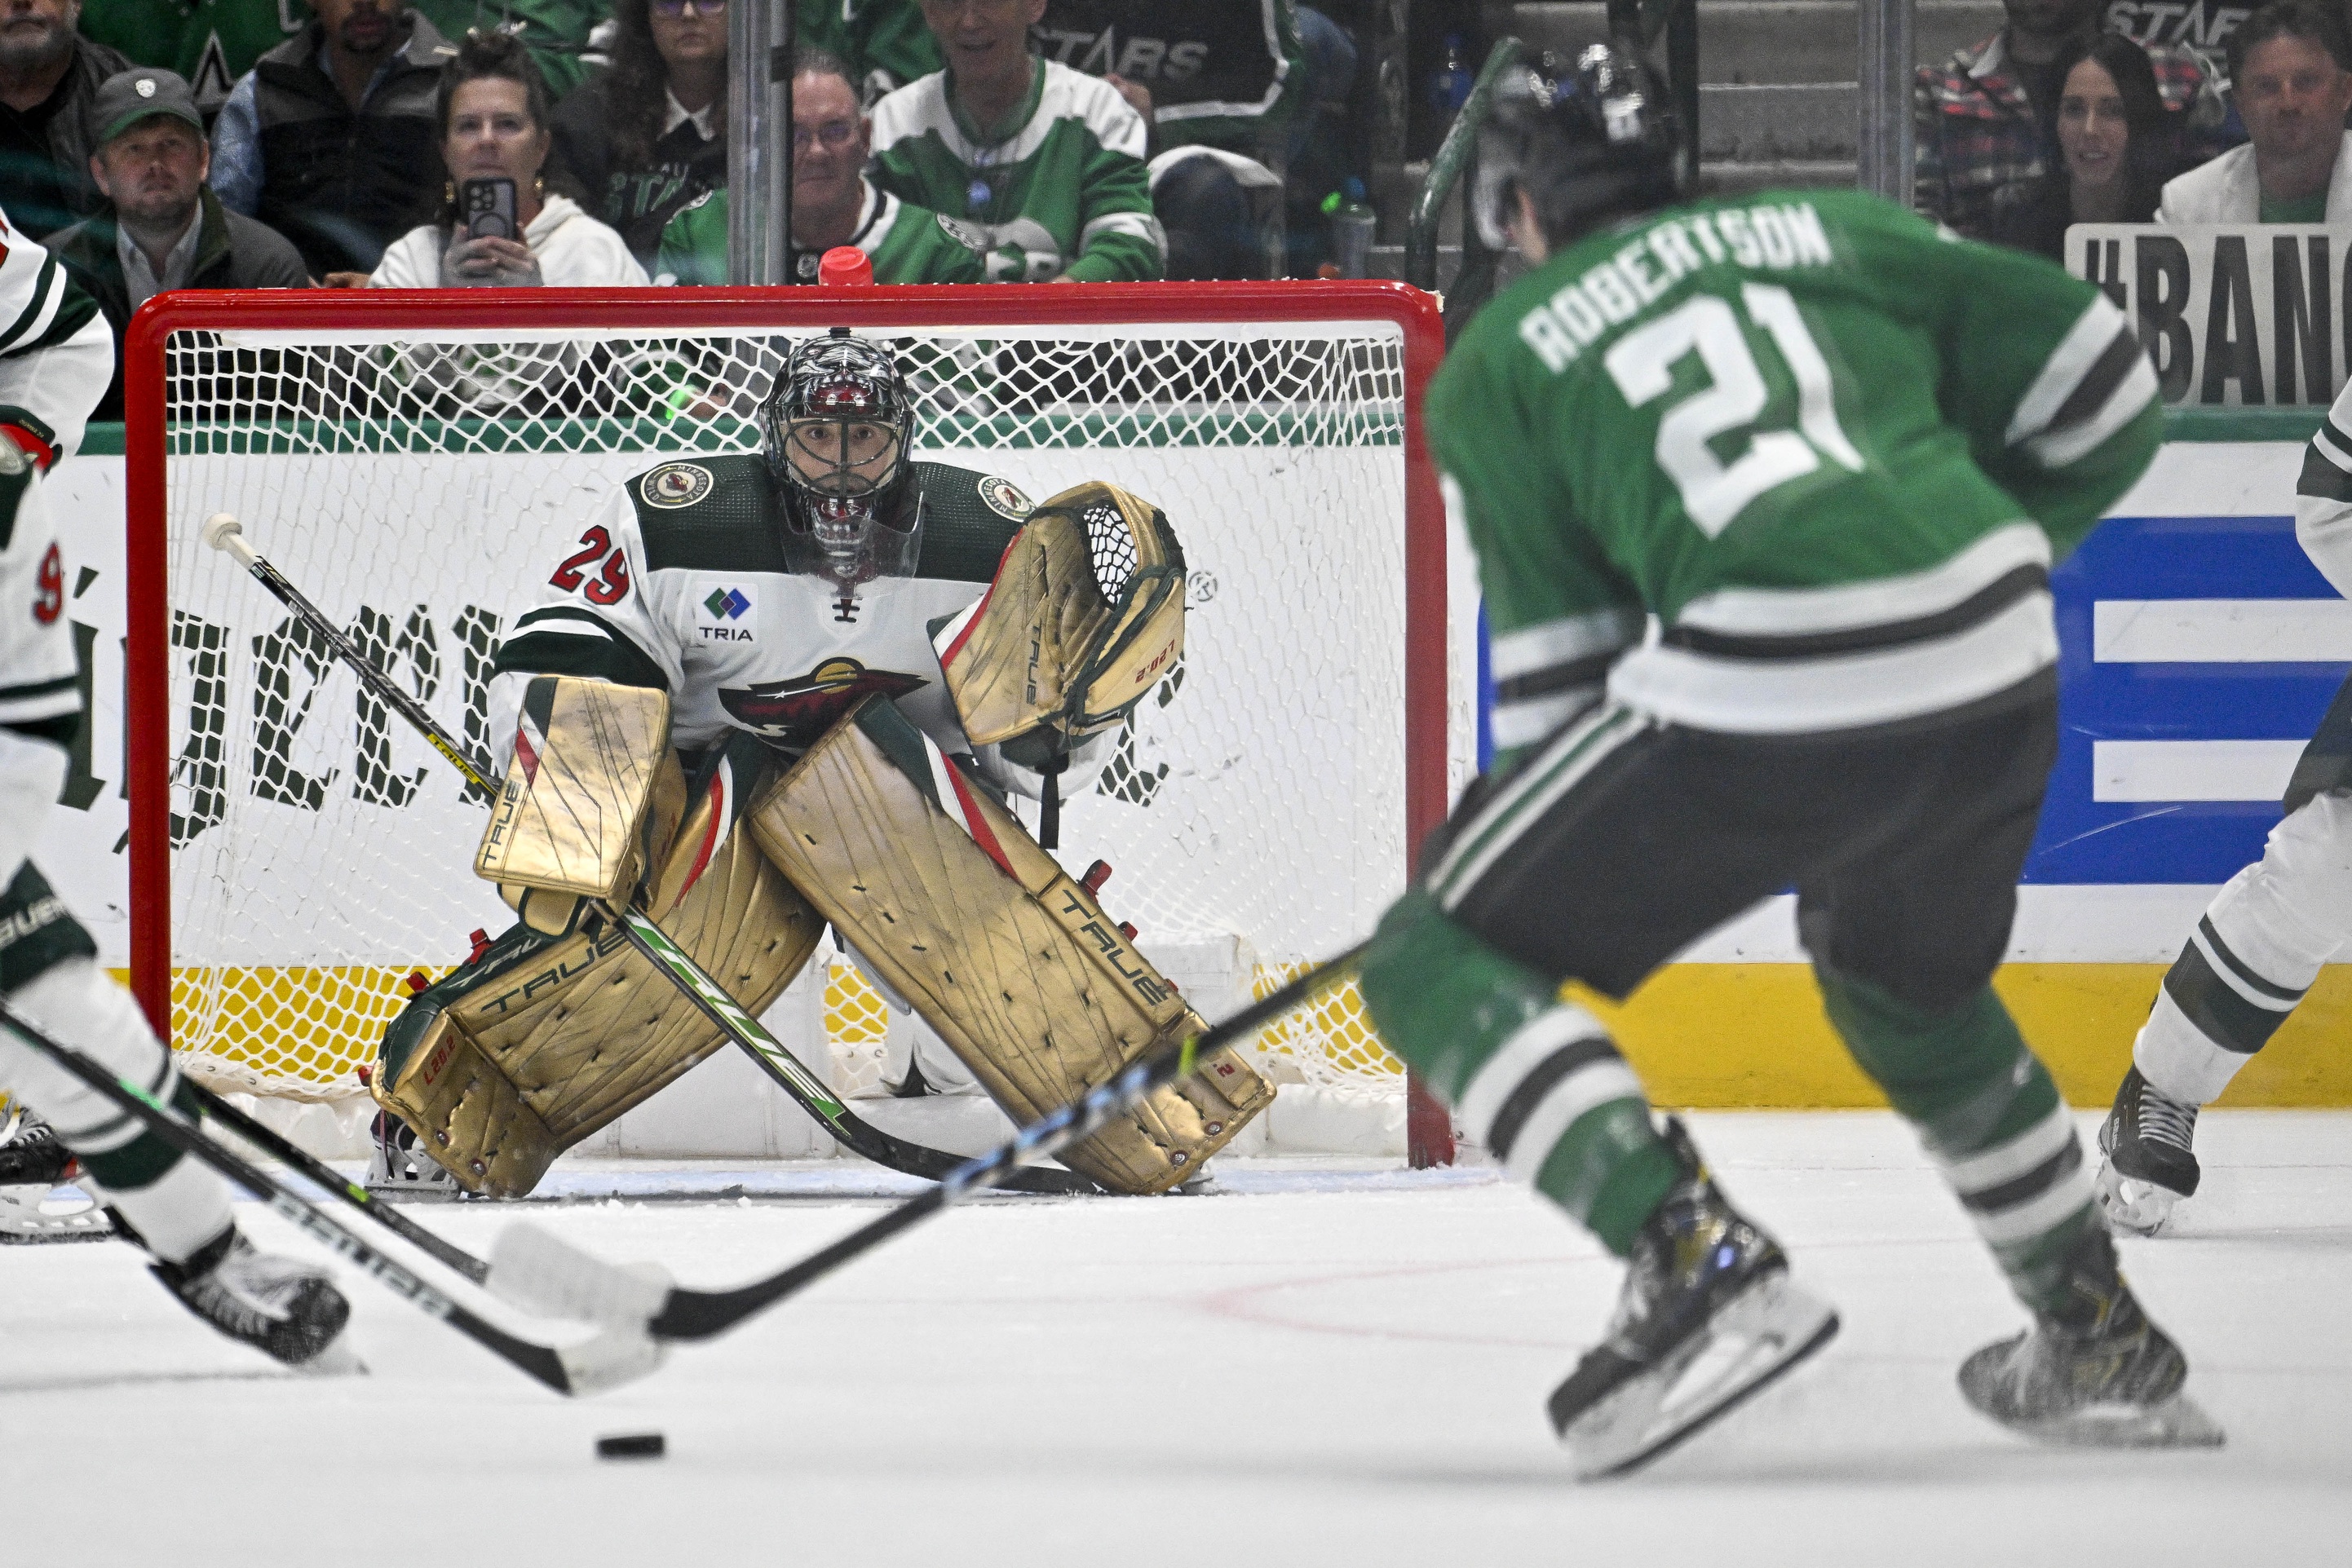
x=1014, y=964
x=514, y=1058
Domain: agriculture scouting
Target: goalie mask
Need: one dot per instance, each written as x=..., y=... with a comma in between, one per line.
x=1601, y=142
x=836, y=430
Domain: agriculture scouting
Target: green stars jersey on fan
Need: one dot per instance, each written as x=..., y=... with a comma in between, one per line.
x=1832, y=452
x=907, y=244
x=209, y=42
x=1059, y=190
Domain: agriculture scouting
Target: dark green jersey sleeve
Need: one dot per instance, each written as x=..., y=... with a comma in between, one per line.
x=1558, y=613
x=2042, y=371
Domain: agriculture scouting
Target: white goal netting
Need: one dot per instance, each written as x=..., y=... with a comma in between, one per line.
x=418, y=485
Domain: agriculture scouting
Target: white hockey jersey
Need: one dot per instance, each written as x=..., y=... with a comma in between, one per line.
x=57, y=355
x=679, y=583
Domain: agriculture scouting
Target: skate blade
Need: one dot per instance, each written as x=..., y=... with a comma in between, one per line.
x=26, y=1216
x=2133, y=1207
x=2179, y=1422
x=1760, y=1335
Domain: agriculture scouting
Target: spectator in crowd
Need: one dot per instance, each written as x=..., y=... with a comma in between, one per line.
x=557, y=31
x=48, y=74
x=647, y=138
x=1045, y=163
x=2289, y=61
x=885, y=42
x=329, y=138
x=210, y=44
x=492, y=111
x=1230, y=92
x=161, y=228
x=835, y=204
x=1982, y=119
x=2115, y=148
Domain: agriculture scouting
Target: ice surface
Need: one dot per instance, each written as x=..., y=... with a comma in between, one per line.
x=1340, y=1364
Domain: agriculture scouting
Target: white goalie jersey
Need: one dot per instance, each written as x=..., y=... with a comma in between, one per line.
x=679, y=583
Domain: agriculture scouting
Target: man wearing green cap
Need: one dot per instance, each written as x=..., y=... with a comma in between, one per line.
x=161, y=228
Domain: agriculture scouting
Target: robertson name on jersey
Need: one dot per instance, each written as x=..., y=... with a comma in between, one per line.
x=680, y=582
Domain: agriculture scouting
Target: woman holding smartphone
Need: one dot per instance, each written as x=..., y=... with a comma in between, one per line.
x=498, y=225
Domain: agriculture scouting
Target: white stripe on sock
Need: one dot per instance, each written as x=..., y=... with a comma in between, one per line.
x=1528, y=1048
x=1989, y=1168
x=1588, y=1088
x=2037, y=1214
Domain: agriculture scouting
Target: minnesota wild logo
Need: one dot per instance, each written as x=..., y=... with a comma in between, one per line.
x=795, y=713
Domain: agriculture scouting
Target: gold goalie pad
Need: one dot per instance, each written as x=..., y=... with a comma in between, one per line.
x=1086, y=612
x=1011, y=962
x=586, y=754
x=514, y=1058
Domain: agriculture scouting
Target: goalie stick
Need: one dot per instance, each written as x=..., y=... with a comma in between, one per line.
x=619, y=1354
x=534, y=1268
x=225, y=534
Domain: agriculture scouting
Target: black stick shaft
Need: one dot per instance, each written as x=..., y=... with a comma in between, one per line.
x=278, y=1147
x=699, y=1314
x=537, y=1361
x=379, y=685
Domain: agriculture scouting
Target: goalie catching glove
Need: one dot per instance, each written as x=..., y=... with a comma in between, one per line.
x=1086, y=612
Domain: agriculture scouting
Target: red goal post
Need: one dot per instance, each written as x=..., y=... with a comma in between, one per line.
x=198, y=411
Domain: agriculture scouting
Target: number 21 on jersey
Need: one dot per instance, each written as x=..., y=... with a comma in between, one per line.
x=1715, y=492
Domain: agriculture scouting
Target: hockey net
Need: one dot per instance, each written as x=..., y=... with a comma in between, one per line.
x=415, y=464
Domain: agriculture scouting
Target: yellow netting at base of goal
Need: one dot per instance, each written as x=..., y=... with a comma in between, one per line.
x=302, y=1034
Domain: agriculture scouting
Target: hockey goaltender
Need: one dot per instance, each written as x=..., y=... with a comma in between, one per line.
x=768, y=692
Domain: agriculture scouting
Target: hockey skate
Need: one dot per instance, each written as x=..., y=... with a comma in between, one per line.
x=2094, y=1374
x=286, y=1309
x=2148, y=1166
x=1707, y=1317
x=397, y=1168
x=33, y=1165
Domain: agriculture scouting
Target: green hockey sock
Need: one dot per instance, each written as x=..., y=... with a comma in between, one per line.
x=1535, y=1079
x=1989, y=1117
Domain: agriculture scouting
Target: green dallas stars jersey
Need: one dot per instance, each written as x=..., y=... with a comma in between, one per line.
x=210, y=43
x=1064, y=192
x=1832, y=452
x=906, y=243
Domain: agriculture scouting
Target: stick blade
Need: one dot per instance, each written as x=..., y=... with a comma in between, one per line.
x=621, y=1354
x=542, y=1273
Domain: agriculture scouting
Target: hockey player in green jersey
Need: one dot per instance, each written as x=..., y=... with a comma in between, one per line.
x=1765, y=493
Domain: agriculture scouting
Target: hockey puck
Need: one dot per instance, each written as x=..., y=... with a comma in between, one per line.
x=631, y=1446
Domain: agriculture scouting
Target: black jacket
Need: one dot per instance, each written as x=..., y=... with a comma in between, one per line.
x=342, y=186
x=71, y=141
x=232, y=252
x=637, y=202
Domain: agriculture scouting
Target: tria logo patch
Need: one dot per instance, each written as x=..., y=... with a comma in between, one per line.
x=795, y=713
x=675, y=485
x=726, y=604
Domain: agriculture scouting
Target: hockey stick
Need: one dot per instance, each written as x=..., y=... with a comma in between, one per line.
x=617, y=1355
x=278, y=1147
x=224, y=533
x=535, y=1269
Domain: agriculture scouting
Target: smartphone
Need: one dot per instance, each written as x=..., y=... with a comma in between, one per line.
x=486, y=207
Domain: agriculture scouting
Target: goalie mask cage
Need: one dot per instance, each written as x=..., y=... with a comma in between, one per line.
x=416, y=463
